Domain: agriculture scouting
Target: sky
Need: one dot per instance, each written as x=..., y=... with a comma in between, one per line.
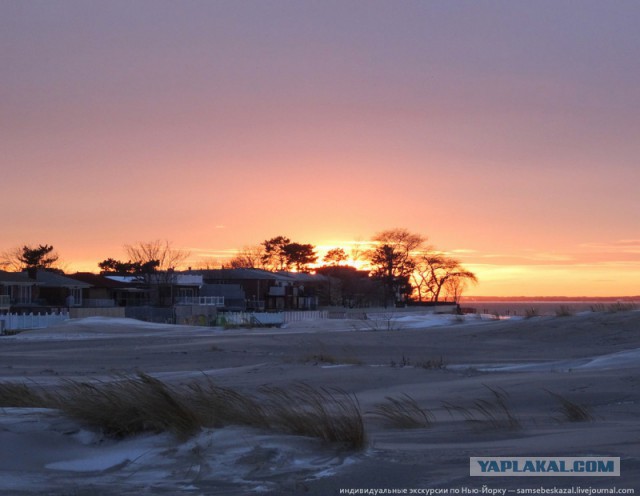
x=506, y=132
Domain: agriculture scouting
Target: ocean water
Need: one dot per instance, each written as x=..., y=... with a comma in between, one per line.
x=543, y=307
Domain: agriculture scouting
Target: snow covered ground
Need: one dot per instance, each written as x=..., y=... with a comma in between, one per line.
x=438, y=360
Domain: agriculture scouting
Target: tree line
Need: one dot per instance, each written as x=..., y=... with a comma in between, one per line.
x=399, y=261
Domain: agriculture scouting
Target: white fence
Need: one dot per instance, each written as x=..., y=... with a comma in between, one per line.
x=268, y=318
x=14, y=322
x=305, y=315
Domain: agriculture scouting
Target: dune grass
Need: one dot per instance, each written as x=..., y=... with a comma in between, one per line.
x=217, y=406
x=19, y=395
x=329, y=359
x=565, y=311
x=494, y=413
x=127, y=406
x=429, y=364
x=403, y=413
x=332, y=415
x=130, y=405
x=616, y=307
x=571, y=411
x=531, y=312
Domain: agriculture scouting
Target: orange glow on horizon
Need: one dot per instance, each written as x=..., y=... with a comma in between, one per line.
x=589, y=274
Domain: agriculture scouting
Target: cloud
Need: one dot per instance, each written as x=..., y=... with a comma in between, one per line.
x=618, y=246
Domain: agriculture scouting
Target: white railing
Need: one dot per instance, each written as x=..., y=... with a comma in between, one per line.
x=268, y=318
x=305, y=315
x=208, y=301
x=14, y=321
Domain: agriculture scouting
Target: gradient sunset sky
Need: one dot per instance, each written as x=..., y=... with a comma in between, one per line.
x=508, y=132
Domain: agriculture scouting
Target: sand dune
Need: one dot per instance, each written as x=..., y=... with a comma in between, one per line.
x=447, y=367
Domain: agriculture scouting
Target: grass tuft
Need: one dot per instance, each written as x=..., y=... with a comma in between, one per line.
x=217, y=406
x=403, y=413
x=126, y=407
x=20, y=396
x=494, y=413
x=571, y=412
x=565, y=311
x=332, y=415
x=531, y=312
x=429, y=364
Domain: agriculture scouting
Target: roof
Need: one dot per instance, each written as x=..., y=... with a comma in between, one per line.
x=240, y=274
x=304, y=276
x=15, y=278
x=52, y=279
x=158, y=278
x=97, y=280
x=229, y=291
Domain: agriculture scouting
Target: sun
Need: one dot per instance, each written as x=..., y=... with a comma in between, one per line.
x=354, y=251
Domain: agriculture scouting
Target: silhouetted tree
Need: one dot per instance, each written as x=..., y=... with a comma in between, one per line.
x=435, y=272
x=275, y=256
x=39, y=257
x=28, y=257
x=167, y=258
x=250, y=257
x=280, y=253
x=154, y=264
x=300, y=256
x=392, y=261
x=117, y=267
x=335, y=256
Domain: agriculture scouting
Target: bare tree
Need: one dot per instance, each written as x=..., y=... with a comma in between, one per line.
x=249, y=257
x=434, y=272
x=154, y=263
x=210, y=263
x=10, y=260
x=167, y=257
x=455, y=286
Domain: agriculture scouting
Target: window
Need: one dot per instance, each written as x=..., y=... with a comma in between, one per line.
x=76, y=294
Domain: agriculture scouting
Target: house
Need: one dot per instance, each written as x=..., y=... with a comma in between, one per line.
x=103, y=291
x=56, y=290
x=231, y=296
x=266, y=290
x=306, y=291
x=16, y=289
x=163, y=289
